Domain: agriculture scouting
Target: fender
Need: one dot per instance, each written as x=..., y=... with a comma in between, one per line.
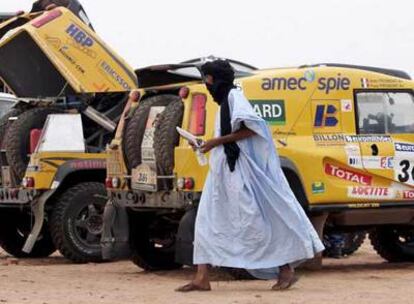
x=74, y=165
x=38, y=207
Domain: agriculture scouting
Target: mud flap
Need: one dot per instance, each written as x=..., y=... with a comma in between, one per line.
x=115, y=235
x=185, y=238
x=38, y=209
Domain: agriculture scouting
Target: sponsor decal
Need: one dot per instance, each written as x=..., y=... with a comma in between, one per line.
x=329, y=139
x=408, y=194
x=100, y=87
x=114, y=75
x=325, y=84
x=381, y=83
x=334, y=84
x=364, y=83
x=371, y=162
x=85, y=50
x=367, y=138
x=310, y=76
x=64, y=50
x=88, y=164
x=147, y=145
x=367, y=192
x=353, y=150
x=404, y=163
x=403, y=147
x=53, y=41
x=325, y=116
x=404, y=172
x=318, y=187
x=346, y=105
x=387, y=162
x=284, y=133
x=272, y=111
x=348, y=175
x=79, y=36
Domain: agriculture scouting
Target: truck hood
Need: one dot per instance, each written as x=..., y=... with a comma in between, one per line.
x=56, y=54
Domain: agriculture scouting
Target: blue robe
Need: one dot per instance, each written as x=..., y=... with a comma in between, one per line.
x=250, y=218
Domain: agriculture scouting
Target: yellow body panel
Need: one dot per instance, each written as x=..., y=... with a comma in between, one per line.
x=81, y=57
x=47, y=165
x=320, y=147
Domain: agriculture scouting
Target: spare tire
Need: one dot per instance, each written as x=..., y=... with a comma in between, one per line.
x=17, y=139
x=6, y=121
x=166, y=137
x=135, y=127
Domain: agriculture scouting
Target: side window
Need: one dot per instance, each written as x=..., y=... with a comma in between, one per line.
x=385, y=112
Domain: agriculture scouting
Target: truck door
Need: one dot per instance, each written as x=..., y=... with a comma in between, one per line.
x=385, y=134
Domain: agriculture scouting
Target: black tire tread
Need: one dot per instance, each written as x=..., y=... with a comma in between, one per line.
x=383, y=244
x=166, y=136
x=349, y=250
x=135, y=127
x=5, y=123
x=62, y=203
x=12, y=243
x=13, y=139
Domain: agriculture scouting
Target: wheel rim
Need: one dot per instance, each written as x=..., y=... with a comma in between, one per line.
x=89, y=225
x=404, y=239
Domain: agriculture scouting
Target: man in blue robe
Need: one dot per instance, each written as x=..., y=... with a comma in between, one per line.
x=248, y=216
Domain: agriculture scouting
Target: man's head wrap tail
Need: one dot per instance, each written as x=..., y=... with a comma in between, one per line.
x=223, y=78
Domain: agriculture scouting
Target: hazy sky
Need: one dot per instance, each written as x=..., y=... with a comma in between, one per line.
x=264, y=33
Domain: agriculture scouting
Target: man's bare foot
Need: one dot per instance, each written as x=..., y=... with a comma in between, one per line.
x=194, y=286
x=286, y=278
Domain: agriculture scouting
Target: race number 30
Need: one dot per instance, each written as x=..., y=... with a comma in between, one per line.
x=406, y=171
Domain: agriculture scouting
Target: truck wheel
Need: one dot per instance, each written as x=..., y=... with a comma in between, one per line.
x=135, y=128
x=17, y=140
x=77, y=220
x=395, y=244
x=153, y=244
x=5, y=123
x=353, y=242
x=166, y=139
x=239, y=274
x=349, y=243
x=15, y=227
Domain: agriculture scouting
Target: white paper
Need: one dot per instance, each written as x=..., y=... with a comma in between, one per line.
x=190, y=137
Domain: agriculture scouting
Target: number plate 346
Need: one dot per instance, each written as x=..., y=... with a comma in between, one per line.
x=144, y=178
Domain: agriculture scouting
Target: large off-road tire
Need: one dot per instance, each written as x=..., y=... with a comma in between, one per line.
x=153, y=244
x=15, y=227
x=76, y=222
x=239, y=273
x=6, y=121
x=17, y=140
x=395, y=244
x=135, y=128
x=351, y=241
x=166, y=137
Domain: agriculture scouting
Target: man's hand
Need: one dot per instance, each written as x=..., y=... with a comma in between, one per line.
x=209, y=144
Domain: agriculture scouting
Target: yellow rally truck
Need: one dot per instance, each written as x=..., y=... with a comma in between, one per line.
x=72, y=89
x=345, y=135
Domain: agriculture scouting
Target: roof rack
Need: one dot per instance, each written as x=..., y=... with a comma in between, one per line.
x=389, y=72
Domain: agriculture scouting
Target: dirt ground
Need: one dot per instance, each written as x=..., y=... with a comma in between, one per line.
x=362, y=278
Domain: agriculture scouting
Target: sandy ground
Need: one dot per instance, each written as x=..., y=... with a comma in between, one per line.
x=362, y=278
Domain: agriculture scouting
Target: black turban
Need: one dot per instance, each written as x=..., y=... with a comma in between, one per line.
x=223, y=78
